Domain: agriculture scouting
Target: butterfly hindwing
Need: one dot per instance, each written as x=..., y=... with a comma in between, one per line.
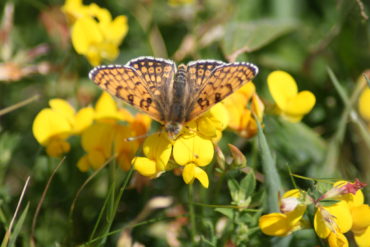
x=199, y=71
x=223, y=81
x=125, y=83
x=156, y=72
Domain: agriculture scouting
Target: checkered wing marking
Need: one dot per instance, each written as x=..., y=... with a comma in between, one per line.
x=199, y=71
x=223, y=81
x=125, y=83
x=156, y=72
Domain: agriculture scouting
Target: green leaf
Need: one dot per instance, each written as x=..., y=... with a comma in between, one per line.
x=248, y=184
x=228, y=212
x=251, y=36
x=328, y=202
x=295, y=144
x=272, y=178
x=234, y=189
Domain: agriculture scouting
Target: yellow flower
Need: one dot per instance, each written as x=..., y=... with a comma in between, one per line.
x=157, y=149
x=351, y=194
x=191, y=150
x=52, y=126
x=192, y=171
x=94, y=33
x=241, y=119
x=337, y=240
x=360, y=212
x=106, y=137
x=363, y=105
x=97, y=141
x=292, y=105
x=362, y=238
x=282, y=224
x=106, y=110
x=211, y=124
x=335, y=218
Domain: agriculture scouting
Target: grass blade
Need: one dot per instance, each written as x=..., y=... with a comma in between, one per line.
x=272, y=178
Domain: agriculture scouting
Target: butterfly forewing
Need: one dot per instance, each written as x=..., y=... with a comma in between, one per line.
x=125, y=83
x=223, y=81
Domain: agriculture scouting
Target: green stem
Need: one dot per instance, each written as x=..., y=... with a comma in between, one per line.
x=192, y=213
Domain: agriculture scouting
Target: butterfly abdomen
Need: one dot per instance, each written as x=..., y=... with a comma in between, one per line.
x=180, y=92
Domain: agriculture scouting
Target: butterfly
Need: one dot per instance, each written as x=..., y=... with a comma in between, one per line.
x=169, y=94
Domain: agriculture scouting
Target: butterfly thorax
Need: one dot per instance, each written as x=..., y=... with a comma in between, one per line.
x=179, y=95
x=173, y=129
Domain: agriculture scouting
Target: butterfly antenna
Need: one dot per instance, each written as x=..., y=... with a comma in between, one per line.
x=134, y=138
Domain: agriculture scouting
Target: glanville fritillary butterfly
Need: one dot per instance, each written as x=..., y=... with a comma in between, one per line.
x=173, y=95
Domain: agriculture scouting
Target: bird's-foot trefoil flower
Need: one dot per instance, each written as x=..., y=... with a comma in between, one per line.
x=291, y=104
x=94, y=33
x=338, y=211
x=192, y=150
x=52, y=126
x=241, y=106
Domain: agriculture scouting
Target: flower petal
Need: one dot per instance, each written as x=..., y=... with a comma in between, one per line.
x=275, y=224
x=192, y=171
x=83, y=119
x=333, y=218
x=363, y=104
x=85, y=33
x=98, y=136
x=83, y=164
x=106, y=108
x=57, y=147
x=282, y=87
x=157, y=147
x=337, y=240
x=361, y=217
x=63, y=108
x=48, y=124
x=299, y=105
x=362, y=239
x=194, y=149
x=145, y=166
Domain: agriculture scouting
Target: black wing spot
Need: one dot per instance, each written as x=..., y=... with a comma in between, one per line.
x=145, y=103
x=130, y=98
x=203, y=102
x=218, y=97
x=118, y=89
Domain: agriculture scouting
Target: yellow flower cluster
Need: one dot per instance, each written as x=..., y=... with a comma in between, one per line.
x=291, y=104
x=241, y=116
x=339, y=210
x=94, y=33
x=191, y=150
x=101, y=134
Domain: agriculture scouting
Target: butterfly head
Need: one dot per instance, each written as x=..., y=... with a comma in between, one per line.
x=173, y=129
